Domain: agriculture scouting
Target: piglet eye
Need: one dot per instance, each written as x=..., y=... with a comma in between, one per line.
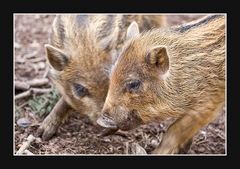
x=133, y=85
x=80, y=90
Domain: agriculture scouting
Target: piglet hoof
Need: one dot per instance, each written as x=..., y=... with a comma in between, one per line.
x=186, y=147
x=180, y=149
x=47, y=129
x=51, y=123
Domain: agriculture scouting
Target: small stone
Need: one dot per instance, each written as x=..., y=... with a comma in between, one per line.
x=23, y=122
x=41, y=65
x=201, y=149
x=107, y=140
x=203, y=132
x=154, y=143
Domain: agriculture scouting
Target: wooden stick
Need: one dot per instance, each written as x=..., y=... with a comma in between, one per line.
x=21, y=85
x=31, y=55
x=40, y=91
x=32, y=90
x=126, y=149
x=40, y=59
x=38, y=82
x=26, y=144
x=28, y=152
x=46, y=72
x=19, y=107
x=23, y=95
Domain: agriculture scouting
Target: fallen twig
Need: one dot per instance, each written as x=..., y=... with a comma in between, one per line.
x=122, y=133
x=39, y=59
x=40, y=91
x=21, y=85
x=23, y=95
x=126, y=149
x=32, y=90
x=31, y=55
x=19, y=107
x=26, y=144
x=33, y=83
x=38, y=82
x=46, y=73
x=200, y=142
x=27, y=152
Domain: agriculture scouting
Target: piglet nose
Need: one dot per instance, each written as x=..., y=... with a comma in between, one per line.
x=106, y=121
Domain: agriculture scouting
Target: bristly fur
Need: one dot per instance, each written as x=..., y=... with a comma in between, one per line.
x=89, y=44
x=193, y=90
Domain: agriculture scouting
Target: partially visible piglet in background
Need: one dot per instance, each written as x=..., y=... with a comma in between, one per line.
x=81, y=48
x=174, y=72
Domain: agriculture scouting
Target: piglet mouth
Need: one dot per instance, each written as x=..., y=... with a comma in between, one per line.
x=107, y=122
x=133, y=120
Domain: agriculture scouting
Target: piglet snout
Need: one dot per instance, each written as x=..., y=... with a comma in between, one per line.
x=106, y=121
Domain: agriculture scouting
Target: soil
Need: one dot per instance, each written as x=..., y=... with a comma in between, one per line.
x=78, y=135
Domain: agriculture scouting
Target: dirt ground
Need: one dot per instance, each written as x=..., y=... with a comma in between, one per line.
x=78, y=135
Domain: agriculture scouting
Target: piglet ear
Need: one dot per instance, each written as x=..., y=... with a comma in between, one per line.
x=132, y=30
x=158, y=57
x=56, y=58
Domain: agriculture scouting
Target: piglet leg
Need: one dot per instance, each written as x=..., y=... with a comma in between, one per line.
x=51, y=123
